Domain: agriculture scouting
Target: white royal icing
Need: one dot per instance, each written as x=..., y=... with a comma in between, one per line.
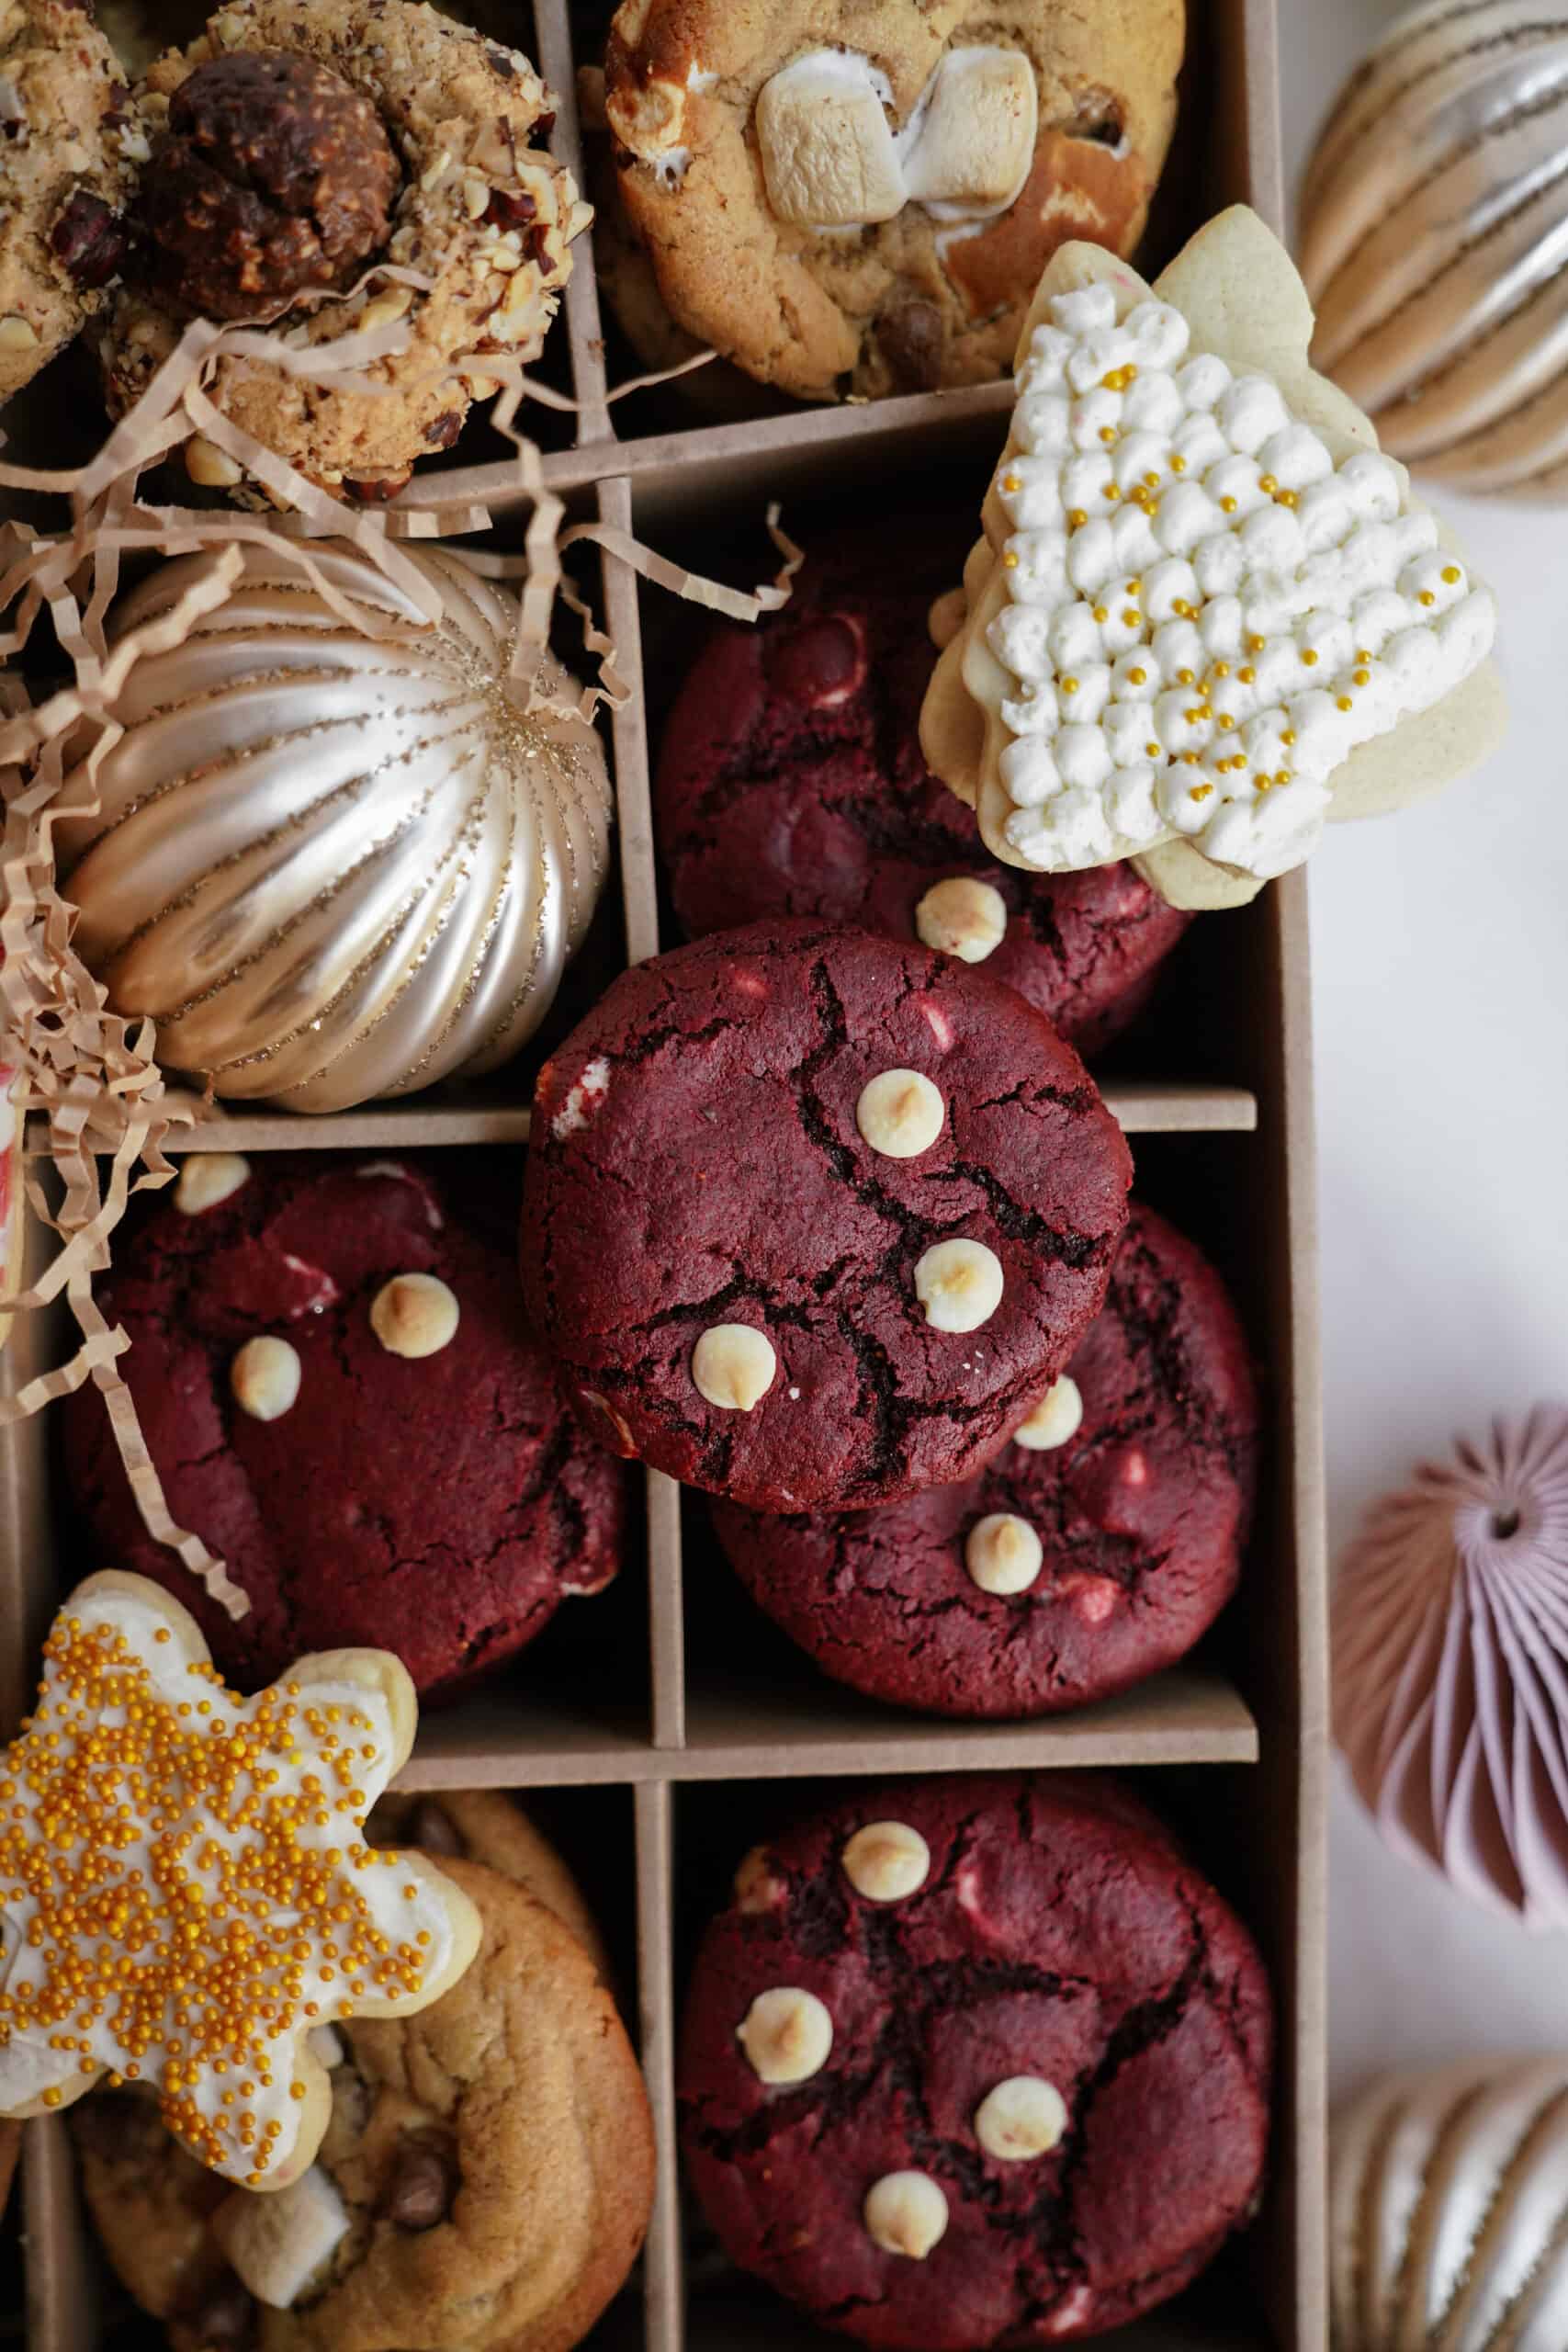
x=1192, y=651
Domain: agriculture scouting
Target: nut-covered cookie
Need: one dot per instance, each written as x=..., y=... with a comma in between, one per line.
x=484, y=2184
x=860, y=199
x=812, y=1218
x=1095, y=1548
x=297, y=144
x=791, y=782
x=70, y=141
x=976, y=2061
x=339, y=1387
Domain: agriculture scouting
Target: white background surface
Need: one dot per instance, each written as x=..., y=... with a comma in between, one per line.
x=1440, y=998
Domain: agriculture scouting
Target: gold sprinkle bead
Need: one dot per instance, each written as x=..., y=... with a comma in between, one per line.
x=1289, y=736
x=1178, y=465
x=1225, y=720
x=1246, y=676
x=1111, y=490
x=1221, y=669
x=1130, y=617
x=1361, y=677
x=1363, y=654
x=1289, y=498
x=1256, y=644
x=1201, y=791
x=1077, y=519
x=1268, y=485
x=1185, y=678
x=1310, y=658
x=1069, y=685
x=1227, y=506
x=1013, y=482
x=1453, y=575
x=1153, y=481
x=1137, y=677
x=1426, y=597
x=1153, y=749
x=1009, y=557
x=1108, y=433
x=1100, y=614
x=1343, y=702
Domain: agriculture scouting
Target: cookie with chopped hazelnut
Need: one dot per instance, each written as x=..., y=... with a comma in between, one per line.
x=301, y=150
x=340, y=1389
x=812, y=1218
x=484, y=2183
x=70, y=141
x=861, y=199
x=791, y=782
x=976, y=2061
x=1095, y=1548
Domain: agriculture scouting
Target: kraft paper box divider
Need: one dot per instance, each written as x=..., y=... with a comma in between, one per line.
x=1233, y=1744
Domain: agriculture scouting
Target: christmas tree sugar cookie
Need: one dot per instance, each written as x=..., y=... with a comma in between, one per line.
x=1206, y=614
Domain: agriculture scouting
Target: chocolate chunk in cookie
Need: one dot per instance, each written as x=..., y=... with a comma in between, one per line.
x=274, y=178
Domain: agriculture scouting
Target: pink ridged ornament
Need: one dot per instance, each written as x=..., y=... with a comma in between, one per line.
x=1450, y=1665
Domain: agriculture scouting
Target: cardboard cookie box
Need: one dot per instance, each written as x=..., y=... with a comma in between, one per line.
x=667, y=1724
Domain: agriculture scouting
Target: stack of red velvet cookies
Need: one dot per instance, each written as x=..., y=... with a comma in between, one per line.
x=823, y=1214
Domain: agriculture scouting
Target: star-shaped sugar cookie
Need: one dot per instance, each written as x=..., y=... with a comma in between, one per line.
x=186, y=1892
x=1206, y=614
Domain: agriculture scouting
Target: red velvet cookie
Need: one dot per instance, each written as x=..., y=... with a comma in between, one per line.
x=1090, y=1552
x=337, y=1382
x=791, y=783
x=811, y=1218
x=976, y=2061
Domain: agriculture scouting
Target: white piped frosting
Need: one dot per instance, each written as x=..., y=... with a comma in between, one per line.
x=1205, y=614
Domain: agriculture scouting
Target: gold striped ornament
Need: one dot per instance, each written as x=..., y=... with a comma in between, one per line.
x=334, y=867
x=1434, y=243
x=1449, y=2210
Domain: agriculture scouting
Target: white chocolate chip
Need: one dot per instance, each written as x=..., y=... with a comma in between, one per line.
x=734, y=1366
x=213, y=467
x=265, y=1377
x=1022, y=2117
x=756, y=1887
x=906, y=2213
x=963, y=917
x=279, y=2243
x=786, y=2034
x=829, y=157
x=959, y=1283
x=414, y=1315
x=900, y=1114
x=1003, y=1553
x=1054, y=1420
x=207, y=1176
x=15, y=334
x=886, y=1860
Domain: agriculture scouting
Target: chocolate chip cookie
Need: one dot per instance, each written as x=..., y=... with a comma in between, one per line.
x=859, y=199
x=1094, y=1549
x=484, y=2184
x=483, y=1826
x=811, y=1218
x=976, y=2061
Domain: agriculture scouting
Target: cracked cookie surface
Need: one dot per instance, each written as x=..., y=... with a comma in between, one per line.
x=700, y=1167
x=791, y=782
x=1141, y=1513
x=1044, y=1931
x=884, y=285
x=440, y=1505
x=493, y=2156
